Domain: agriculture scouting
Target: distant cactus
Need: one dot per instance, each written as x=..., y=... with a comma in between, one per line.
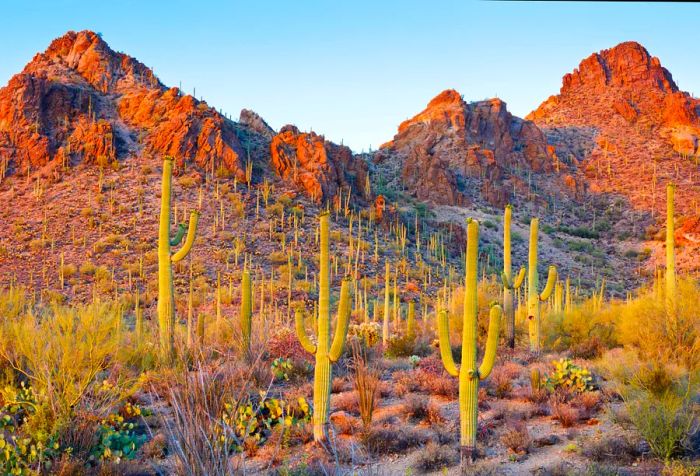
x=411, y=320
x=166, y=290
x=326, y=352
x=671, y=303
x=509, y=285
x=246, y=309
x=533, y=298
x=468, y=374
x=385, y=323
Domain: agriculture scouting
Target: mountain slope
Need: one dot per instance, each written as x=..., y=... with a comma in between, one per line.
x=458, y=153
x=622, y=120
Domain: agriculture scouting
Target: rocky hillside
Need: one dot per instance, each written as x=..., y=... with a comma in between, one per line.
x=621, y=119
x=592, y=162
x=458, y=153
x=80, y=102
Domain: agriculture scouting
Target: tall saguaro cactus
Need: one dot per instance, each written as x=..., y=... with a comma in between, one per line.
x=468, y=373
x=509, y=285
x=671, y=304
x=326, y=352
x=385, y=321
x=533, y=298
x=246, y=309
x=166, y=290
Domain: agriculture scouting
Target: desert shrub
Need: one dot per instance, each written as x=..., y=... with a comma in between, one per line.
x=516, y=437
x=644, y=326
x=61, y=351
x=368, y=332
x=565, y=413
x=284, y=344
x=434, y=457
x=393, y=440
x=666, y=421
x=365, y=377
x=500, y=383
x=416, y=406
x=611, y=449
x=585, y=330
x=401, y=346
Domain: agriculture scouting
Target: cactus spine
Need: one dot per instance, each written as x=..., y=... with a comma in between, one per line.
x=166, y=290
x=468, y=374
x=533, y=298
x=509, y=285
x=671, y=305
x=246, y=309
x=325, y=351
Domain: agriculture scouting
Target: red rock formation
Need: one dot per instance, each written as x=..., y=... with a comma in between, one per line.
x=621, y=115
x=454, y=152
x=316, y=165
x=82, y=98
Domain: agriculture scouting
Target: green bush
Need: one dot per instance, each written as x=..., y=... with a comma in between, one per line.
x=666, y=421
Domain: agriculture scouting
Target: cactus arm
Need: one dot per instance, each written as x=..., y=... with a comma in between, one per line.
x=181, y=229
x=506, y=281
x=444, y=339
x=189, y=241
x=491, y=343
x=551, y=281
x=304, y=340
x=341, y=330
x=519, y=279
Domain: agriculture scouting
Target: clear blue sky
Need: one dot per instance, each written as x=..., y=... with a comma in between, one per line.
x=355, y=69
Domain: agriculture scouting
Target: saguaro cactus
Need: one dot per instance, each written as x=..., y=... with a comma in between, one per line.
x=166, y=290
x=534, y=299
x=385, y=322
x=468, y=374
x=246, y=309
x=411, y=320
x=671, y=305
x=326, y=352
x=509, y=285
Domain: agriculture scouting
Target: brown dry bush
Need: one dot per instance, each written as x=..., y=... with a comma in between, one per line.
x=416, y=406
x=435, y=457
x=384, y=440
x=348, y=402
x=565, y=413
x=516, y=437
x=500, y=383
x=612, y=449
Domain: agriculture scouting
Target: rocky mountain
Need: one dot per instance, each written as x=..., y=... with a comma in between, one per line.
x=80, y=102
x=591, y=161
x=458, y=153
x=621, y=119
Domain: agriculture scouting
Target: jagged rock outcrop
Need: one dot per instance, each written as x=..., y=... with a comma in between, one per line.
x=456, y=152
x=254, y=122
x=630, y=129
x=80, y=101
x=316, y=165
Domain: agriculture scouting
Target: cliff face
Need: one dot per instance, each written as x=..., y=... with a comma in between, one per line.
x=81, y=102
x=456, y=152
x=317, y=166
